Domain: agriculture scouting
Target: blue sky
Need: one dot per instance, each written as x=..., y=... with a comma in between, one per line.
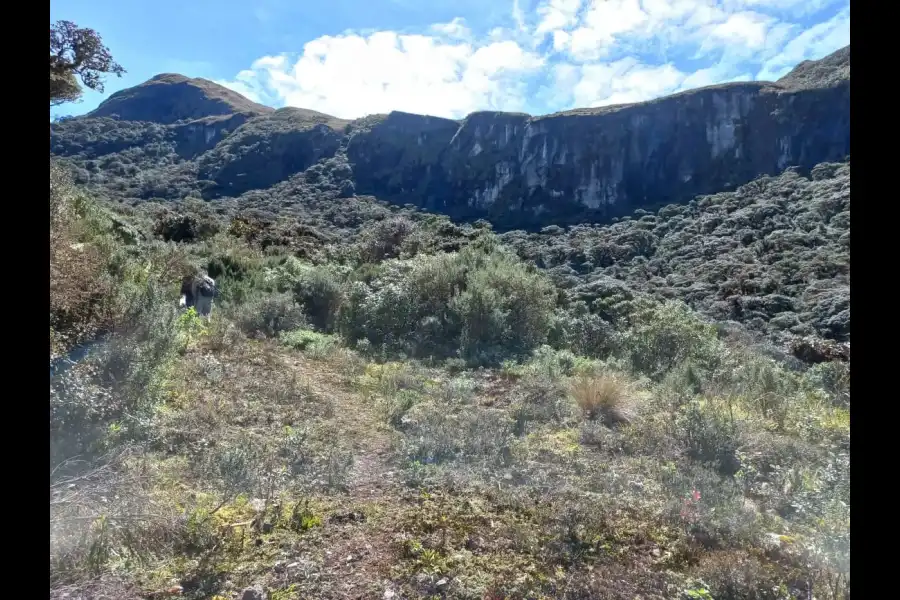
x=350, y=58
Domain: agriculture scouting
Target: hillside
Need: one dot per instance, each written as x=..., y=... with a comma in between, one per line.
x=641, y=392
x=773, y=255
x=391, y=405
x=193, y=138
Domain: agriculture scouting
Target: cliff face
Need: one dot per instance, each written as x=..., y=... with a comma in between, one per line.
x=270, y=149
x=520, y=171
x=514, y=169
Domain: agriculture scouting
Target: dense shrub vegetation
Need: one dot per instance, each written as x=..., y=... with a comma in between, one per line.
x=386, y=401
x=772, y=255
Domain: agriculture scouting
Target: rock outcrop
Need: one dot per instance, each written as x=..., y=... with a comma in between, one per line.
x=593, y=164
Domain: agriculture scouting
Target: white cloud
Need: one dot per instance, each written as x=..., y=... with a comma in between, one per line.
x=603, y=21
x=557, y=15
x=815, y=42
x=746, y=29
x=592, y=53
x=624, y=81
x=790, y=8
x=350, y=75
x=518, y=16
x=455, y=29
x=560, y=39
x=627, y=80
x=718, y=73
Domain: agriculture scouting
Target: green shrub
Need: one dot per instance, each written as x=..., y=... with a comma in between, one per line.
x=222, y=334
x=312, y=342
x=553, y=364
x=181, y=227
x=319, y=292
x=710, y=433
x=236, y=268
x=124, y=377
x=267, y=314
x=765, y=386
x=61, y=195
x=472, y=434
x=406, y=307
x=582, y=332
x=482, y=304
x=396, y=405
x=389, y=378
x=384, y=239
x=505, y=310
x=664, y=335
x=833, y=378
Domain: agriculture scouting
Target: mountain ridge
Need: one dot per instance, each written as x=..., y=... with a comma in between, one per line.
x=511, y=168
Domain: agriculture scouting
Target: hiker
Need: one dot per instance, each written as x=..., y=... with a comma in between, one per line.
x=198, y=292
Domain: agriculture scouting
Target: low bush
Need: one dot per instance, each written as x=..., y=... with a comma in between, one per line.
x=482, y=305
x=538, y=400
x=505, y=310
x=710, y=433
x=313, y=343
x=319, y=291
x=665, y=335
x=473, y=435
x=267, y=314
x=384, y=239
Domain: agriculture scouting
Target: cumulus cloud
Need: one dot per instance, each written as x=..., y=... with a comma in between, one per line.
x=746, y=29
x=602, y=23
x=624, y=81
x=353, y=75
x=554, y=55
x=627, y=80
x=812, y=43
x=555, y=15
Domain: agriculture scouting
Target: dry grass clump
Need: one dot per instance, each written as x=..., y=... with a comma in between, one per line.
x=606, y=397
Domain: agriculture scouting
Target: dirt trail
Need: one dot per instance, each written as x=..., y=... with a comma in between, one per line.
x=372, y=473
x=358, y=555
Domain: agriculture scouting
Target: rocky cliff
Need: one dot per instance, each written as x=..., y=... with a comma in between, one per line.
x=513, y=169
x=592, y=164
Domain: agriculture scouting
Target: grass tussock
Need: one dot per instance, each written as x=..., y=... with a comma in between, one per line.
x=608, y=398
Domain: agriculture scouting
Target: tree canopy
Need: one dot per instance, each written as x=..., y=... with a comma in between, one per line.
x=77, y=53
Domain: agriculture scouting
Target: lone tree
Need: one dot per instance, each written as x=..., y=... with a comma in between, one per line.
x=77, y=52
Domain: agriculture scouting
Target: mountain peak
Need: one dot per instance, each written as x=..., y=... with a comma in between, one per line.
x=170, y=97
